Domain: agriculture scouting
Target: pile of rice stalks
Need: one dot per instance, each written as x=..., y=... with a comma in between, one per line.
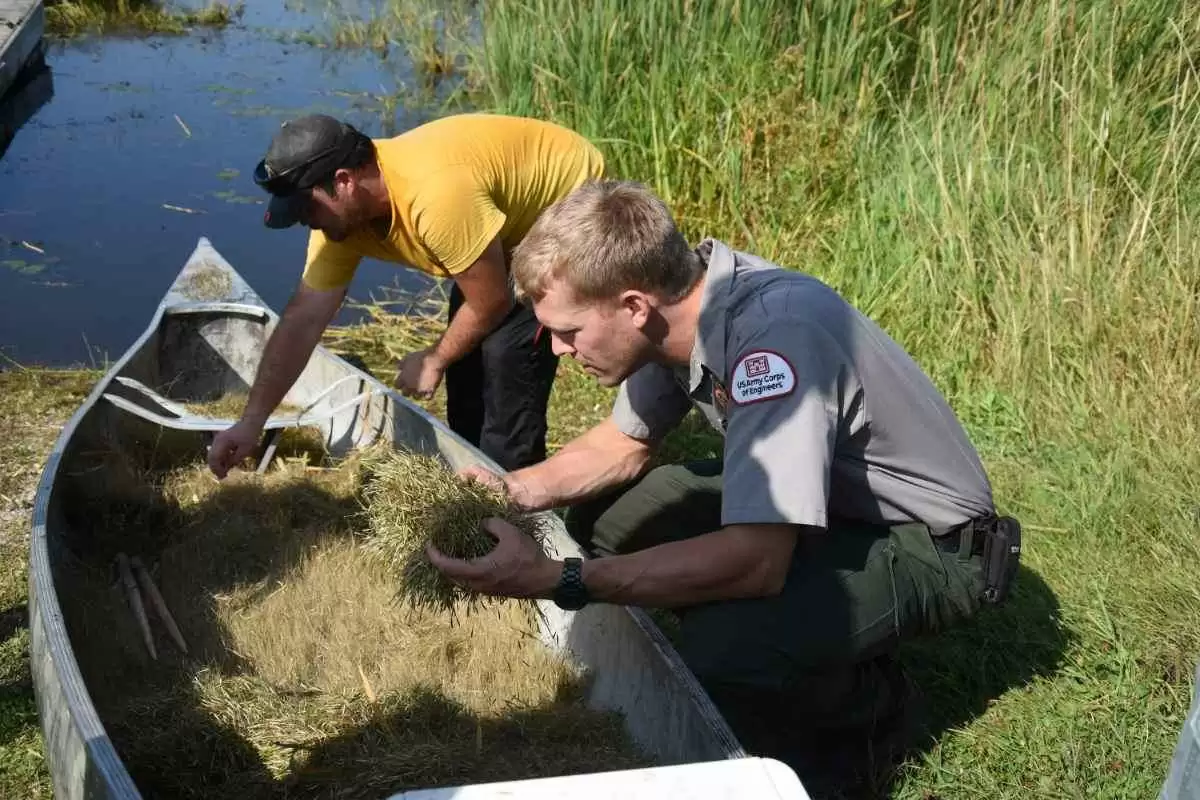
x=303, y=676
x=412, y=499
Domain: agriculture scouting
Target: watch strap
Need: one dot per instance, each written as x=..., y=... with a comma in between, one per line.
x=571, y=594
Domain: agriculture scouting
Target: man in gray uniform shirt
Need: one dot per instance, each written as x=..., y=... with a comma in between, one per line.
x=849, y=509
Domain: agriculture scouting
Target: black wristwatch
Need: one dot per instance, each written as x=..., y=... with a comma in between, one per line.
x=571, y=594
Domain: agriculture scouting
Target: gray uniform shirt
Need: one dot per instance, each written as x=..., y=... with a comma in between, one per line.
x=822, y=412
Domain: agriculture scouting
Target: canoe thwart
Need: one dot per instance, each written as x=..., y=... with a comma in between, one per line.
x=177, y=409
x=181, y=418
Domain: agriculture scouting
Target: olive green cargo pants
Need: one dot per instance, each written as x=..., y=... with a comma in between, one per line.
x=813, y=659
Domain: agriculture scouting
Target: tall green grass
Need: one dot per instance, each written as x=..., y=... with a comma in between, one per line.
x=1011, y=189
x=434, y=35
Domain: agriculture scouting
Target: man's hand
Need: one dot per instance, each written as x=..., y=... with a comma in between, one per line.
x=232, y=445
x=586, y=467
x=287, y=350
x=420, y=373
x=515, y=567
x=522, y=487
x=483, y=476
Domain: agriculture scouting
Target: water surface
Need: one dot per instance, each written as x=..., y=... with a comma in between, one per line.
x=146, y=144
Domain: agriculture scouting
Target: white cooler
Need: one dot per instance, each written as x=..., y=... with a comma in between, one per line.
x=734, y=779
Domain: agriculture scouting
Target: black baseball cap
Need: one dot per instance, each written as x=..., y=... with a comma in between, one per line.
x=303, y=153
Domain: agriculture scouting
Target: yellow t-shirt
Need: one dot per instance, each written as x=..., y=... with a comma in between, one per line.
x=455, y=183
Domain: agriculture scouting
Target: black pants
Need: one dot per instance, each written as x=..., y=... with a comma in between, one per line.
x=496, y=396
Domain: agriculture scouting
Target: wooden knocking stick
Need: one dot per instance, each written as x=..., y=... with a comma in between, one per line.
x=135, y=600
x=156, y=599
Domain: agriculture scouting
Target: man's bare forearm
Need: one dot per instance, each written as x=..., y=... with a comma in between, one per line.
x=468, y=329
x=486, y=301
x=600, y=459
x=288, y=349
x=736, y=562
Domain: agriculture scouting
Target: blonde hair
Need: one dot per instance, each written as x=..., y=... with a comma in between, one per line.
x=602, y=239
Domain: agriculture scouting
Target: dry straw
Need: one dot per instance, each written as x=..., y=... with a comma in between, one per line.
x=207, y=282
x=411, y=499
x=301, y=679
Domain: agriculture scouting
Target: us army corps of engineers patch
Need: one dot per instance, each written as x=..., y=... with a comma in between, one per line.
x=761, y=375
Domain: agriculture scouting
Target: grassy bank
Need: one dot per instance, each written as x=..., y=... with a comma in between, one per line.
x=34, y=404
x=71, y=18
x=1010, y=189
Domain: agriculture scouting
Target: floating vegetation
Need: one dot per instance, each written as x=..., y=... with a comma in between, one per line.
x=222, y=89
x=22, y=266
x=230, y=196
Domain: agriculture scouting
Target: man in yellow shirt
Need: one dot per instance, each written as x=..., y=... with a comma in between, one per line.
x=450, y=198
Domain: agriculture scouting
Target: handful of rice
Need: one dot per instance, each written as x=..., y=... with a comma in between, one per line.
x=412, y=499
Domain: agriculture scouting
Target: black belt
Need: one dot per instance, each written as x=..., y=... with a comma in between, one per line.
x=966, y=540
x=997, y=540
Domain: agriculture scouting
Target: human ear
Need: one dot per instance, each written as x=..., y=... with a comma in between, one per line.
x=637, y=305
x=343, y=181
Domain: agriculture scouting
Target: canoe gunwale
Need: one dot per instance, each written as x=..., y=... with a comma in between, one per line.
x=46, y=612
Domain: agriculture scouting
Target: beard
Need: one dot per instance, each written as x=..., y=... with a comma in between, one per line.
x=336, y=234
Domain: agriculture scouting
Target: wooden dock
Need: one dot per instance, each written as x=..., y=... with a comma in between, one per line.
x=22, y=23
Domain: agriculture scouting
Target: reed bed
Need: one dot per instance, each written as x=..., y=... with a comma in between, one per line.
x=73, y=18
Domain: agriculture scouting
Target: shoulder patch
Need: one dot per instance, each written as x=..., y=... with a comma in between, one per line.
x=761, y=375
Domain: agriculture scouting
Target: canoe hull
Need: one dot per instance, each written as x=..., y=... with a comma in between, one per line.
x=207, y=341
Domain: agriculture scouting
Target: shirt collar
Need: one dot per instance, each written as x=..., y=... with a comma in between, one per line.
x=709, y=348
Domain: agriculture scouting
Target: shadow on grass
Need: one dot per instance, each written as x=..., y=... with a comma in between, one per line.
x=955, y=675
x=12, y=620
x=20, y=759
x=959, y=673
